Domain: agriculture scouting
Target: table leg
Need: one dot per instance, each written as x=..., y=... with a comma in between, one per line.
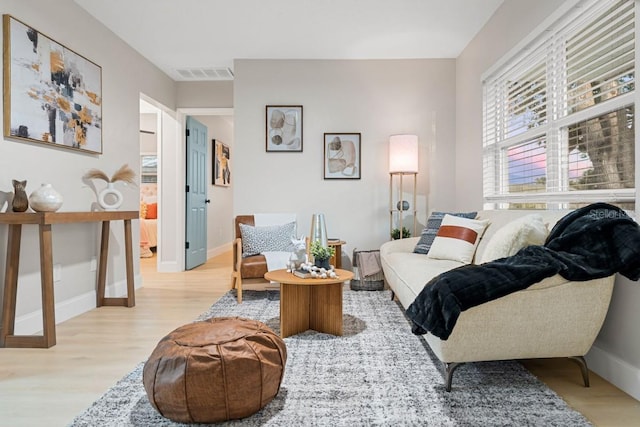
x=338, y=256
x=336, y=259
x=325, y=308
x=102, y=264
x=48, y=337
x=130, y=299
x=46, y=278
x=294, y=309
x=131, y=296
x=10, y=282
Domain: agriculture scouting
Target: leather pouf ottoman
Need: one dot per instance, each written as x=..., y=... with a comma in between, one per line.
x=215, y=370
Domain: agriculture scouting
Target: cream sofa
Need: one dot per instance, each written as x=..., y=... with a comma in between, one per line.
x=552, y=318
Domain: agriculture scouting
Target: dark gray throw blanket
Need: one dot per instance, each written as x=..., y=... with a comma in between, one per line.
x=589, y=243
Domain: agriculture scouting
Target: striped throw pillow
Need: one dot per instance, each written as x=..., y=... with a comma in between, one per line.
x=430, y=231
x=457, y=239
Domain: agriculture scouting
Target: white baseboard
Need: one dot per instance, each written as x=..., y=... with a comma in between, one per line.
x=169, y=267
x=31, y=323
x=615, y=370
x=175, y=267
x=219, y=250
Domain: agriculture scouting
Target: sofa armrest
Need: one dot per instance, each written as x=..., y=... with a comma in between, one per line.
x=399, y=245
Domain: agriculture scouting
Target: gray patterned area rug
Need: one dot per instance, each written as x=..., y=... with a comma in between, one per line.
x=377, y=373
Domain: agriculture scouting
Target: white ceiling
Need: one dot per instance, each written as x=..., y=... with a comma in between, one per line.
x=185, y=34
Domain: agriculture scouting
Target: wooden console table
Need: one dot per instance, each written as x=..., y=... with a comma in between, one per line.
x=15, y=220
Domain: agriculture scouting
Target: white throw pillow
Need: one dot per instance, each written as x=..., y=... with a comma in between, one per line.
x=268, y=238
x=515, y=235
x=457, y=239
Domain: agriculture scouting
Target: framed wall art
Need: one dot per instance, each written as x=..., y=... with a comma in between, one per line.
x=221, y=163
x=52, y=95
x=341, y=156
x=284, y=128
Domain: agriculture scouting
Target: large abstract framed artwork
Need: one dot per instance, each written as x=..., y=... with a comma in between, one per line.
x=284, y=128
x=52, y=95
x=221, y=163
x=341, y=156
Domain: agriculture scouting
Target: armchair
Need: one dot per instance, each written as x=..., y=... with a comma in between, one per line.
x=251, y=269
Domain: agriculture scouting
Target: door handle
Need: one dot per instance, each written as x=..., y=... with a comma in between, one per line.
x=207, y=201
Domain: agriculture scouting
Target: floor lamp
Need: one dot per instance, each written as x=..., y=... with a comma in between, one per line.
x=403, y=160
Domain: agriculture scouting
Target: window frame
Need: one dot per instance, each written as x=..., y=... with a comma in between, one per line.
x=546, y=44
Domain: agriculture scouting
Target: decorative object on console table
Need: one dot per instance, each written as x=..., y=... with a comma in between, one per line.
x=20, y=202
x=111, y=199
x=284, y=128
x=342, y=156
x=403, y=160
x=52, y=95
x=45, y=199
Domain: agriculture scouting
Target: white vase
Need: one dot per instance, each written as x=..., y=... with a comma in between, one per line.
x=45, y=199
x=110, y=199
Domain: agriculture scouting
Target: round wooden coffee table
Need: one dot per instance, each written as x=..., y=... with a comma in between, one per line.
x=309, y=303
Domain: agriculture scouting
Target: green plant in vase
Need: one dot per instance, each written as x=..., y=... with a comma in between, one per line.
x=321, y=254
x=395, y=233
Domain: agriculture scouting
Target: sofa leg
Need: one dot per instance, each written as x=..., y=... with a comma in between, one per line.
x=449, y=368
x=583, y=368
x=393, y=295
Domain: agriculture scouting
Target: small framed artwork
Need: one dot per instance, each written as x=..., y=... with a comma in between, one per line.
x=52, y=95
x=284, y=128
x=341, y=156
x=221, y=163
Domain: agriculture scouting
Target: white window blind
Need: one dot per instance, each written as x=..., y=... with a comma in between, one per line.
x=559, y=117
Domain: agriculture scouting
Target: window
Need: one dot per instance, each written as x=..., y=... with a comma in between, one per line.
x=559, y=117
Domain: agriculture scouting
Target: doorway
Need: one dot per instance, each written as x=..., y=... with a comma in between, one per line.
x=170, y=145
x=148, y=185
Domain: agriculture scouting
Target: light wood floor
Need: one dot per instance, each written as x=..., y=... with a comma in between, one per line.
x=49, y=387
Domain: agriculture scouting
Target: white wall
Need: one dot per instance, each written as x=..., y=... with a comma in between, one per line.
x=124, y=75
x=149, y=141
x=213, y=94
x=220, y=210
x=375, y=98
x=616, y=353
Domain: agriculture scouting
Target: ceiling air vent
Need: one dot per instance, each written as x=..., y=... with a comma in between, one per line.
x=219, y=73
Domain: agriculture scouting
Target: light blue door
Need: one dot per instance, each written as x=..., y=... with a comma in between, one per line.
x=196, y=191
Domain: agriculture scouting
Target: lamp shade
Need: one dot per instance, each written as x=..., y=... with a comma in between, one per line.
x=403, y=153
